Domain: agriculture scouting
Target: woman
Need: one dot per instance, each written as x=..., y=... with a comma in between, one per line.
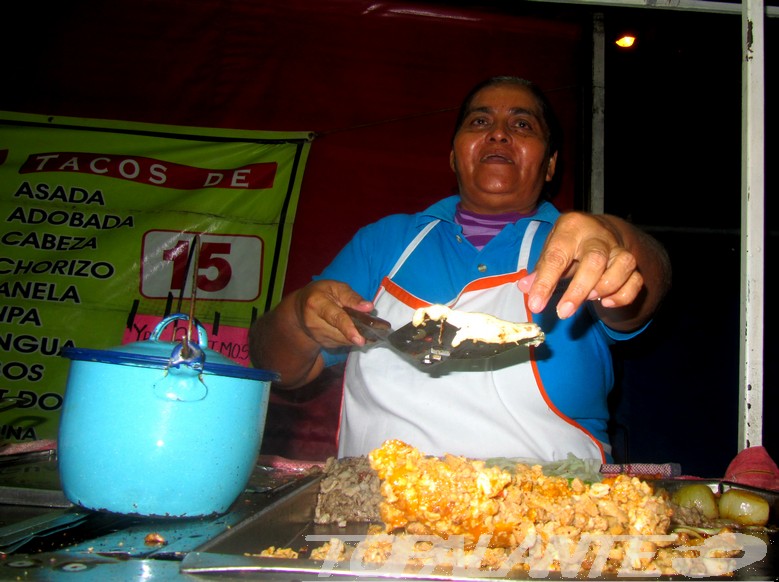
x=496, y=248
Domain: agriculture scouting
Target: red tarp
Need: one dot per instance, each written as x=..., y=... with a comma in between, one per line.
x=379, y=82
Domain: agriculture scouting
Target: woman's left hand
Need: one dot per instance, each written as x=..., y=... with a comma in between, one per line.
x=604, y=259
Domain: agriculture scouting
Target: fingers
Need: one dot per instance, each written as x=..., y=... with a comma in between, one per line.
x=562, y=249
x=612, y=281
x=626, y=294
x=320, y=313
x=557, y=259
x=586, y=251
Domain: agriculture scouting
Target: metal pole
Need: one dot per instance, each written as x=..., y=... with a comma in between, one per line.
x=715, y=7
x=597, y=196
x=750, y=431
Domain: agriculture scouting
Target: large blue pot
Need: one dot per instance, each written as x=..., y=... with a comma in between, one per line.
x=148, y=431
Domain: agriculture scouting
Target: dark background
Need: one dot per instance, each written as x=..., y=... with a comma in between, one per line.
x=379, y=83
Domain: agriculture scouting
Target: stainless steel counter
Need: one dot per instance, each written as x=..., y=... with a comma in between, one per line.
x=44, y=537
x=56, y=541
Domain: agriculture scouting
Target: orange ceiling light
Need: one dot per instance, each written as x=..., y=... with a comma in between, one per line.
x=626, y=41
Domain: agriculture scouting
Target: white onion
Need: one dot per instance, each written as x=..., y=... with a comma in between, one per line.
x=699, y=496
x=744, y=507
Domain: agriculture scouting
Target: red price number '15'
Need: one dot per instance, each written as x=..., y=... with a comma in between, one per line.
x=211, y=259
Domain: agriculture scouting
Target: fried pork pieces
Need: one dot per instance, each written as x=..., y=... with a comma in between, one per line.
x=457, y=496
x=488, y=519
x=349, y=491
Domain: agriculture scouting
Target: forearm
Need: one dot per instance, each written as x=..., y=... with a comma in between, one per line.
x=277, y=343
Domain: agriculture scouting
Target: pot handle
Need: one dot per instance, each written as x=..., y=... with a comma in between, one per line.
x=180, y=385
x=202, y=335
x=195, y=357
x=182, y=380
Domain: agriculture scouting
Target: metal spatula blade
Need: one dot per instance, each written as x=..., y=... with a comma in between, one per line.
x=429, y=343
x=373, y=329
x=422, y=344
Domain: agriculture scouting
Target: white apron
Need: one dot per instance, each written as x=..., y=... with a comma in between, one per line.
x=479, y=409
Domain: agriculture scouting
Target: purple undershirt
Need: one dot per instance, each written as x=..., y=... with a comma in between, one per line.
x=479, y=229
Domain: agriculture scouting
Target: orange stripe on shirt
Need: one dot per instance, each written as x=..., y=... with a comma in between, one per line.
x=554, y=408
x=402, y=295
x=478, y=285
x=493, y=281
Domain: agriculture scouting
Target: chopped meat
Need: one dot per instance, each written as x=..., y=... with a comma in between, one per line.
x=154, y=539
x=508, y=520
x=457, y=496
x=334, y=550
x=426, y=495
x=348, y=492
x=274, y=552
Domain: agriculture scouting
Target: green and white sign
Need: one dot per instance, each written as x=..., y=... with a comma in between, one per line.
x=107, y=227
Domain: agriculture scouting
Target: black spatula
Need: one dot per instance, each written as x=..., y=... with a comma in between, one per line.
x=430, y=342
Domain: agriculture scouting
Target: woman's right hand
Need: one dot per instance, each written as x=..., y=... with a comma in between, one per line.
x=289, y=338
x=319, y=313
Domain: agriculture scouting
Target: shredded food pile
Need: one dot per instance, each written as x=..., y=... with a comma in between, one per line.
x=349, y=492
x=509, y=520
x=456, y=496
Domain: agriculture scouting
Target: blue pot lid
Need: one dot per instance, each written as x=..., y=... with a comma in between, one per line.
x=157, y=354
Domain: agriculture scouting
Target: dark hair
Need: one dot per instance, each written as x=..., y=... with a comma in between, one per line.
x=554, y=138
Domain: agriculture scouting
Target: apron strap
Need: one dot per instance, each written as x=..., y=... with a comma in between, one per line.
x=411, y=246
x=527, y=243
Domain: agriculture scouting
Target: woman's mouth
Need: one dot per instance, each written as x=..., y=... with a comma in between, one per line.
x=496, y=159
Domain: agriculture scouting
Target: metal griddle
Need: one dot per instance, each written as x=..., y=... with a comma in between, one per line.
x=288, y=521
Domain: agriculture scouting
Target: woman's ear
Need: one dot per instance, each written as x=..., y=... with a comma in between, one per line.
x=550, y=168
x=452, y=163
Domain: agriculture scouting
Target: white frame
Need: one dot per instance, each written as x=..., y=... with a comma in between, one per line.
x=753, y=13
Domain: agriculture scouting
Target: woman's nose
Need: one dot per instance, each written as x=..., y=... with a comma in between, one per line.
x=499, y=134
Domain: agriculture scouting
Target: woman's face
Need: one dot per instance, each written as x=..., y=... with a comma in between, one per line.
x=499, y=152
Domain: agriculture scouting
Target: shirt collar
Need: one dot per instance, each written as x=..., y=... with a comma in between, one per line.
x=445, y=210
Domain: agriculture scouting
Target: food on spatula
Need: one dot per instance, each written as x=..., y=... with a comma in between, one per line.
x=480, y=327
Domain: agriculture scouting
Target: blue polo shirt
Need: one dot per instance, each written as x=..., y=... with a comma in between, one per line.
x=574, y=361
